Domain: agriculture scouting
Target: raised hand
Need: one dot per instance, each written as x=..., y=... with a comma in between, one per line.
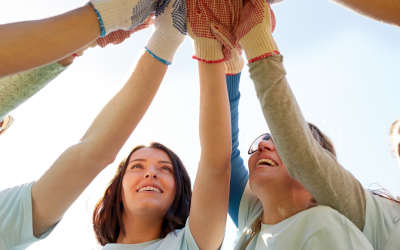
x=200, y=16
x=169, y=30
x=233, y=54
x=122, y=14
x=254, y=32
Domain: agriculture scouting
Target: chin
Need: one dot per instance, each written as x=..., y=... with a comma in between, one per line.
x=259, y=180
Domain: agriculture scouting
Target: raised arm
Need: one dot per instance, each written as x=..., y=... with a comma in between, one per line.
x=31, y=44
x=73, y=171
x=315, y=168
x=211, y=188
x=23, y=47
x=387, y=11
x=239, y=173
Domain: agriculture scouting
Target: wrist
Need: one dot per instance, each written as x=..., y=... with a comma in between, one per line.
x=258, y=44
x=163, y=45
x=208, y=50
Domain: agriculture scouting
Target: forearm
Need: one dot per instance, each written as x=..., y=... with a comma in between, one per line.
x=387, y=11
x=315, y=168
x=31, y=44
x=211, y=188
x=239, y=173
x=76, y=168
x=16, y=89
x=215, y=133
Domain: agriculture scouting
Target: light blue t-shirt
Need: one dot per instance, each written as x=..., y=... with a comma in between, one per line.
x=182, y=239
x=382, y=222
x=16, y=228
x=319, y=227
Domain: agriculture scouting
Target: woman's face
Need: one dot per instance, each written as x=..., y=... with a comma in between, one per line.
x=148, y=184
x=266, y=167
x=396, y=141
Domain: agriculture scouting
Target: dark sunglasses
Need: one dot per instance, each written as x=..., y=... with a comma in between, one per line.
x=254, y=146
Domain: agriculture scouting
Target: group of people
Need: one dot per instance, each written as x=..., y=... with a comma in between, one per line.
x=294, y=195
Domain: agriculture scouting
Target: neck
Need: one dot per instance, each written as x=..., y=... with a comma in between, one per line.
x=140, y=228
x=280, y=203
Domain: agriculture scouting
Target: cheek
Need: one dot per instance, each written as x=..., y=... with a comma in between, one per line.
x=252, y=162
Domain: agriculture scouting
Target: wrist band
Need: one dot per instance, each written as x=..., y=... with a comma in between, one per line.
x=102, y=29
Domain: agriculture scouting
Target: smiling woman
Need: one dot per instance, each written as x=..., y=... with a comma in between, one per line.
x=144, y=167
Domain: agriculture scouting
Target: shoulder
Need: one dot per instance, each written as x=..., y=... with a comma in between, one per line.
x=323, y=216
x=9, y=196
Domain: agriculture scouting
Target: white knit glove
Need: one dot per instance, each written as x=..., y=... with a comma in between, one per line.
x=169, y=30
x=122, y=14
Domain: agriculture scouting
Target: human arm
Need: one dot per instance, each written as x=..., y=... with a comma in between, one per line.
x=315, y=168
x=211, y=188
x=74, y=170
x=387, y=11
x=31, y=44
x=239, y=173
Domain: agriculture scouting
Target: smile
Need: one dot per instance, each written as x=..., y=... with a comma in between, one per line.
x=149, y=189
x=266, y=162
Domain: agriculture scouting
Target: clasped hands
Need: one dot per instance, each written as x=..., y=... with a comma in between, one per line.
x=220, y=29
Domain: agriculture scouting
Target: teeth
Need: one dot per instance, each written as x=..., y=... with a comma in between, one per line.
x=271, y=163
x=149, y=189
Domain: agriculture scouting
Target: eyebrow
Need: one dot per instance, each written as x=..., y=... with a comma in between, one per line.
x=146, y=161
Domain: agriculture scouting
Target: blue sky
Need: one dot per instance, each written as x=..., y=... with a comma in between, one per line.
x=343, y=68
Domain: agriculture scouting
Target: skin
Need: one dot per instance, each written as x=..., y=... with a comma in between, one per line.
x=274, y=186
x=144, y=211
x=387, y=11
x=76, y=168
x=396, y=141
x=23, y=48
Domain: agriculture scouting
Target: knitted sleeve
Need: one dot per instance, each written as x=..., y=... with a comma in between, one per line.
x=239, y=173
x=315, y=168
x=16, y=89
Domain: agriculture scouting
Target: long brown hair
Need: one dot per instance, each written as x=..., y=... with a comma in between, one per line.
x=107, y=215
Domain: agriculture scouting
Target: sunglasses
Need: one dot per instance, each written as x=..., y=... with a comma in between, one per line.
x=254, y=146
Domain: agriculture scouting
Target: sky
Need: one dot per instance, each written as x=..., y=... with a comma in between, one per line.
x=343, y=68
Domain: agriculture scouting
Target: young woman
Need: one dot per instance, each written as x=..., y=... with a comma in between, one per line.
x=271, y=209
x=29, y=212
x=304, y=155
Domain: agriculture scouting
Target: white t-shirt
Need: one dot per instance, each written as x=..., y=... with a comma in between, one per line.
x=382, y=222
x=16, y=229
x=183, y=240
x=320, y=227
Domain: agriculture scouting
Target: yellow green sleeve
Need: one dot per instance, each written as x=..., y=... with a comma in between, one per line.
x=16, y=89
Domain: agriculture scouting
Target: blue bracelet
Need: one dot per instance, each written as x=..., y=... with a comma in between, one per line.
x=156, y=57
x=102, y=29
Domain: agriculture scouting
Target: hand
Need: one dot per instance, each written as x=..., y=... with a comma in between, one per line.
x=200, y=16
x=254, y=32
x=169, y=30
x=233, y=54
x=122, y=14
x=6, y=123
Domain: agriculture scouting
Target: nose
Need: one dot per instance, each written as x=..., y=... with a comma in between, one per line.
x=266, y=146
x=150, y=174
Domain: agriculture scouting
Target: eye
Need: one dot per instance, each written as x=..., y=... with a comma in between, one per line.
x=137, y=166
x=167, y=168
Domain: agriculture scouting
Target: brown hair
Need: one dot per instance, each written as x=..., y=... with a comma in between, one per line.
x=107, y=215
x=322, y=139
